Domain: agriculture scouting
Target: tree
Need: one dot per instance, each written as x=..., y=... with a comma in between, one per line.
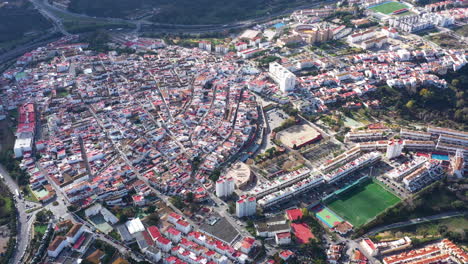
x=455, y=82
x=177, y=202
x=153, y=219
x=410, y=104
x=189, y=197
x=215, y=175
x=458, y=116
x=426, y=94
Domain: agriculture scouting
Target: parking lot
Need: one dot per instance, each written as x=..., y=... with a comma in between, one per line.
x=276, y=117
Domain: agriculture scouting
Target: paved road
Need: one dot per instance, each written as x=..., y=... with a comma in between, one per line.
x=24, y=220
x=417, y=221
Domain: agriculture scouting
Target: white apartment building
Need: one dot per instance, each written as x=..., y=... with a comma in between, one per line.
x=446, y=131
x=223, y=49
x=204, y=45
x=224, y=187
x=431, y=172
x=361, y=36
x=285, y=79
x=419, y=144
x=416, y=135
x=246, y=206
x=365, y=135
x=394, y=148
x=454, y=140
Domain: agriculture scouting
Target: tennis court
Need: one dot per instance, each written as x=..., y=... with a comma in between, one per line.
x=388, y=7
x=327, y=216
x=363, y=203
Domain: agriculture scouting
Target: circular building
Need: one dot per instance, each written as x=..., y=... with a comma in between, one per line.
x=241, y=174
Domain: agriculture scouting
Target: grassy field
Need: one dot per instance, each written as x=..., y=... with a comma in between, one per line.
x=363, y=203
x=40, y=229
x=389, y=7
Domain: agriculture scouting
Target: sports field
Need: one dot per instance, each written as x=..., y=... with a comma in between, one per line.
x=363, y=203
x=327, y=216
x=388, y=7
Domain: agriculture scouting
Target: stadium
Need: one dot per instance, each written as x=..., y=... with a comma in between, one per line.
x=298, y=136
x=390, y=8
x=358, y=203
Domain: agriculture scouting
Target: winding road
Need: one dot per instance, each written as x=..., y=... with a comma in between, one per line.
x=23, y=221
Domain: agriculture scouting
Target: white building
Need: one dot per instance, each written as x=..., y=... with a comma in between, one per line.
x=416, y=135
x=22, y=145
x=285, y=79
x=56, y=246
x=457, y=164
x=135, y=226
x=246, y=206
x=366, y=135
x=283, y=238
x=224, y=187
x=204, y=45
x=153, y=254
x=74, y=233
x=431, y=172
x=164, y=244
x=183, y=226
x=222, y=49
x=394, y=148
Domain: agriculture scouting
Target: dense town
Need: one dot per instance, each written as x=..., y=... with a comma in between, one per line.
x=260, y=147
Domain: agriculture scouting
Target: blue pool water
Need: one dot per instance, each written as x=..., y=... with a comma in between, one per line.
x=440, y=157
x=278, y=25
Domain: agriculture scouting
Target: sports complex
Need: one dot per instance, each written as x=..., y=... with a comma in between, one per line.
x=358, y=203
x=390, y=8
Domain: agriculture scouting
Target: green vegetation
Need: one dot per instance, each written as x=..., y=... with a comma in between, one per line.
x=265, y=61
x=312, y=252
x=363, y=203
x=446, y=40
x=185, y=11
x=75, y=24
x=454, y=229
x=12, y=166
x=462, y=31
x=40, y=229
x=7, y=208
x=286, y=124
x=389, y=7
x=435, y=199
x=441, y=107
x=177, y=202
x=19, y=21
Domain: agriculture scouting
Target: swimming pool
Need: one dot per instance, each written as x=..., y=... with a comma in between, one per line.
x=440, y=157
x=279, y=25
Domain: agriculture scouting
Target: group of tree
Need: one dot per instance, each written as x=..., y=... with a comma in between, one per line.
x=12, y=166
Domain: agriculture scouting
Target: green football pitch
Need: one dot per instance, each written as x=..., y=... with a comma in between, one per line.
x=363, y=203
x=389, y=7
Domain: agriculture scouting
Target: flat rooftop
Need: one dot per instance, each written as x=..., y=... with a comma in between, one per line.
x=298, y=135
x=222, y=230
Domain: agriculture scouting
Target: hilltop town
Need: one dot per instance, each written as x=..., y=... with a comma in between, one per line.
x=333, y=134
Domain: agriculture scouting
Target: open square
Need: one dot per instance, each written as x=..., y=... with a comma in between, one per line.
x=388, y=7
x=363, y=202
